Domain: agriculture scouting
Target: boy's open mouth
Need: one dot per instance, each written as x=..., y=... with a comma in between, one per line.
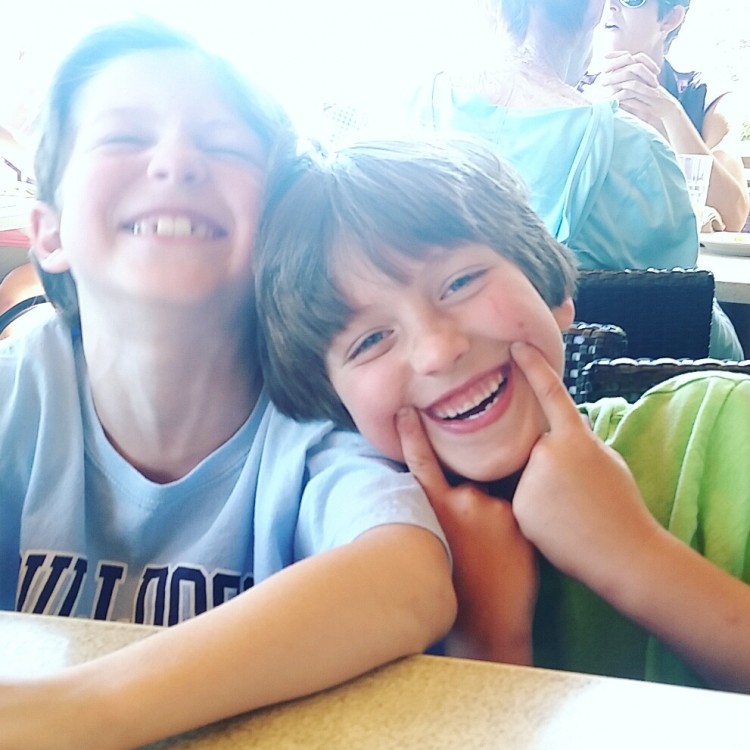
x=473, y=404
x=175, y=226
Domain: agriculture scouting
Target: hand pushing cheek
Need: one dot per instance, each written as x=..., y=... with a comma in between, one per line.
x=546, y=384
x=418, y=454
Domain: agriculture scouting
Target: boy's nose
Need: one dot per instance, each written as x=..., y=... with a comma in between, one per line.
x=176, y=160
x=438, y=347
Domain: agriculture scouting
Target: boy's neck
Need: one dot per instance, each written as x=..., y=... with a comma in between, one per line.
x=504, y=488
x=166, y=405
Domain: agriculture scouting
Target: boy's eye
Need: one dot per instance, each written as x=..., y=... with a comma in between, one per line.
x=227, y=151
x=462, y=281
x=367, y=343
x=122, y=140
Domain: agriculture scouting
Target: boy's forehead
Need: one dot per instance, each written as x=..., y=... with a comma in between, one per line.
x=377, y=264
x=166, y=78
x=127, y=87
x=136, y=72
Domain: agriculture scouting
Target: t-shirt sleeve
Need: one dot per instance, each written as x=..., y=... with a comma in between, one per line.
x=352, y=489
x=686, y=442
x=643, y=217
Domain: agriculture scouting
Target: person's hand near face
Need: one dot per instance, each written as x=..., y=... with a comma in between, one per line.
x=576, y=500
x=635, y=72
x=578, y=503
x=494, y=572
x=633, y=80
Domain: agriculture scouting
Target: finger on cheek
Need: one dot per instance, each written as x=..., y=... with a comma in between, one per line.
x=414, y=443
x=531, y=363
x=522, y=353
x=406, y=421
x=418, y=454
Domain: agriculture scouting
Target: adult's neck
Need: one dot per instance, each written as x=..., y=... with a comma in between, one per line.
x=554, y=49
x=552, y=62
x=169, y=392
x=657, y=54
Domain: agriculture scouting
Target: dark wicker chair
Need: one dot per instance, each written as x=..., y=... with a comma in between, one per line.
x=17, y=310
x=586, y=342
x=631, y=378
x=665, y=313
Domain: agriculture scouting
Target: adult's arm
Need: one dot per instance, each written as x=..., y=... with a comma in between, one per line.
x=633, y=81
x=727, y=191
x=313, y=625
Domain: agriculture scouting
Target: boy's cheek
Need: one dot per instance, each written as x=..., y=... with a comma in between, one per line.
x=387, y=441
x=380, y=431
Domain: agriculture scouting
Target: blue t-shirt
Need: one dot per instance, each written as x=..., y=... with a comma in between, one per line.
x=82, y=533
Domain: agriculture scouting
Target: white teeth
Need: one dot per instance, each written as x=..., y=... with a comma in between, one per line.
x=173, y=226
x=451, y=412
x=182, y=227
x=165, y=226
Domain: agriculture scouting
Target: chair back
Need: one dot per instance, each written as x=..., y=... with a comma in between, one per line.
x=17, y=310
x=665, y=313
x=631, y=378
x=586, y=342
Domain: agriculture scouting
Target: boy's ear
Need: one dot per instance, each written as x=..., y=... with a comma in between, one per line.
x=672, y=19
x=564, y=313
x=45, y=238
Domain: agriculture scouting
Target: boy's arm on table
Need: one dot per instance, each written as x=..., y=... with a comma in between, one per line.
x=494, y=569
x=596, y=528
x=313, y=625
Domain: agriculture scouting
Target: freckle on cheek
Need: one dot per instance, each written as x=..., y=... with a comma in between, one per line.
x=519, y=329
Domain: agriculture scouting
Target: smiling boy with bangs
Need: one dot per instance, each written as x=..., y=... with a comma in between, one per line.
x=409, y=291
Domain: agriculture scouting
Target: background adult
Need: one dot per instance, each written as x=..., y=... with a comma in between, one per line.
x=605, y=185
x=636, y=36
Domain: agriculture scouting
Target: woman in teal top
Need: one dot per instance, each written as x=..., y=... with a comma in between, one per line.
x=605, y=185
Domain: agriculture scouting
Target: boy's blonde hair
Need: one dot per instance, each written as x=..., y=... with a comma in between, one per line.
x=383, y=200
x=94, y=52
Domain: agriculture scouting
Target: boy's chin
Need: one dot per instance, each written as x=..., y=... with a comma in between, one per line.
x=485, y=470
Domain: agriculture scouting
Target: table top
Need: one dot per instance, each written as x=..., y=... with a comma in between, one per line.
x=731, y=273
x=422, y=702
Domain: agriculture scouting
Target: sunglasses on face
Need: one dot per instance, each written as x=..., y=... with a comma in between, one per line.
x=638, y=3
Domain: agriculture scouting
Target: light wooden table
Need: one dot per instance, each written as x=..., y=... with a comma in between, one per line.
x=424, y=703
x=731, y=273
x=732, y=277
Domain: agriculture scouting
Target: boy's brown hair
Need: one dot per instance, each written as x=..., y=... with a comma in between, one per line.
x=379, y=199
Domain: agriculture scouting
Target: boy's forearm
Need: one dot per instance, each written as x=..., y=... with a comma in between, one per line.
x=701, y=612
x=504, y=648
x=311, y=626
x=495, y=623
